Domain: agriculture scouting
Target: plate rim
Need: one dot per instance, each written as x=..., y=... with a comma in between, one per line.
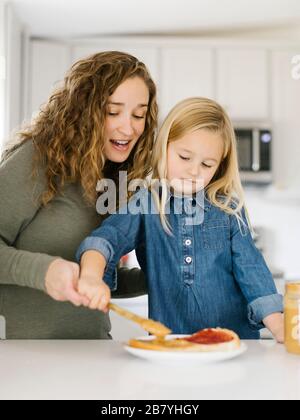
x=241, y=350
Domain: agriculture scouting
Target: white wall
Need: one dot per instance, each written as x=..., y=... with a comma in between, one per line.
x=14, y=64
x=11, y=71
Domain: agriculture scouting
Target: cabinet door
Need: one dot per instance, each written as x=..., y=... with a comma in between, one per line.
x=243, y=83
x=186, y=72
x=286, y=112
x=148, y=55
x=49, y=63
x=13, y=29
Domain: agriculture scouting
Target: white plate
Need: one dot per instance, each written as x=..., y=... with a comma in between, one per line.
x=180, y=356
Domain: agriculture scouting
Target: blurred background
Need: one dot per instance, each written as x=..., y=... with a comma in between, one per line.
x=245, y=54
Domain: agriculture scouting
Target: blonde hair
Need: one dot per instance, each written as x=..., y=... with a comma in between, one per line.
x=68, y=134
x=225, y=190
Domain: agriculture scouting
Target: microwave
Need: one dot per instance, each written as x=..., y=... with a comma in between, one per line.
x=254, y=145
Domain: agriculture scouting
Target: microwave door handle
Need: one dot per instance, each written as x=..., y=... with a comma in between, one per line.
x=256, y=151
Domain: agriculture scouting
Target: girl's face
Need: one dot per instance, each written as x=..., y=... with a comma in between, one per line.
x=125, y=119
x=193, y=160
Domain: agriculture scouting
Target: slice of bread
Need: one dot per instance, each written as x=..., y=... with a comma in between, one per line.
x=228, y=341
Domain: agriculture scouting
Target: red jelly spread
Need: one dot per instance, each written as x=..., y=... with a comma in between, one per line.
x=210, y=337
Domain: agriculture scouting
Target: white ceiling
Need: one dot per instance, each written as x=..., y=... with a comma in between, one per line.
x=73, y=18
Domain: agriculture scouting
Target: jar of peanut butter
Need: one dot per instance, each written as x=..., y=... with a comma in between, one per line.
x=292, y=317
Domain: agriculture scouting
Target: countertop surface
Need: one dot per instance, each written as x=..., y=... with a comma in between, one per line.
x=102, y=370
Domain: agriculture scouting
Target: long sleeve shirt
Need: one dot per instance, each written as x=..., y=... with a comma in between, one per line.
x=205, y=275
x=31, y=238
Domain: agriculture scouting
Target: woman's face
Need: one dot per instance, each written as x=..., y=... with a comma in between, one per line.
x=125, y=119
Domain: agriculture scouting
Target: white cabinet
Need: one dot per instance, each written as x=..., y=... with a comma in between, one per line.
x=252, y=83
x=243, y=83
x=49, y=64
x=13, y=78
x=237, y=78
x=186, y=72
x=286, y=117
x=147, y=54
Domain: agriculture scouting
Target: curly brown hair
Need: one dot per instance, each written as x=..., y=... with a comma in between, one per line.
x=68, y=133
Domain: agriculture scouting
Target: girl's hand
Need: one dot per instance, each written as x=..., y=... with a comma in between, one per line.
x=278, y=333
x=275, y=323
x=96, y=291
x=279, y=336
x=61, y=282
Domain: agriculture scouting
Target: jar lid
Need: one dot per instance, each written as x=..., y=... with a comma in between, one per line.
x=292, y=287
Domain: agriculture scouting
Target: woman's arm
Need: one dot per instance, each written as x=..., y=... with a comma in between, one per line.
x=19, y=205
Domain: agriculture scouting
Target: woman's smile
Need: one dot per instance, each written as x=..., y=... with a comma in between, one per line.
x=120, y=145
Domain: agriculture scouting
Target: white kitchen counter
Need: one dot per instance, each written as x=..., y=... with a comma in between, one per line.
x=101, y=370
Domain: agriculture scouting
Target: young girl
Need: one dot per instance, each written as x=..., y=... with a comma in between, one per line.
x=202, y=266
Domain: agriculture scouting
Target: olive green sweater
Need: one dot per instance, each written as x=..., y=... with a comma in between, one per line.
x=31, y=237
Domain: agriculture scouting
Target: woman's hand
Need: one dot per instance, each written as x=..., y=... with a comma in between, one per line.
x=62, y=281
x=96, y=291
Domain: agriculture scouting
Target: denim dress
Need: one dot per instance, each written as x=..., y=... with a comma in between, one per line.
x=208, y=273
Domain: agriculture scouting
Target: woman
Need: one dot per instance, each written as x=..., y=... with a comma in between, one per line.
x=102, y=120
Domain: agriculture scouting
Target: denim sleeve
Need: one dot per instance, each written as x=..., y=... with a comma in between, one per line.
x=117, y=236
x=104, y=247
x=263, y=307
x=252, y=274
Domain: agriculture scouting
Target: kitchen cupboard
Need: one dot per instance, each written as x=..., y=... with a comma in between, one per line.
x=238, y=78
x=48, y=65
x=186, y=72
x=243, y=83
x=254, y=82
x=50, y=61
x=149, y=55
x=13, y=68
